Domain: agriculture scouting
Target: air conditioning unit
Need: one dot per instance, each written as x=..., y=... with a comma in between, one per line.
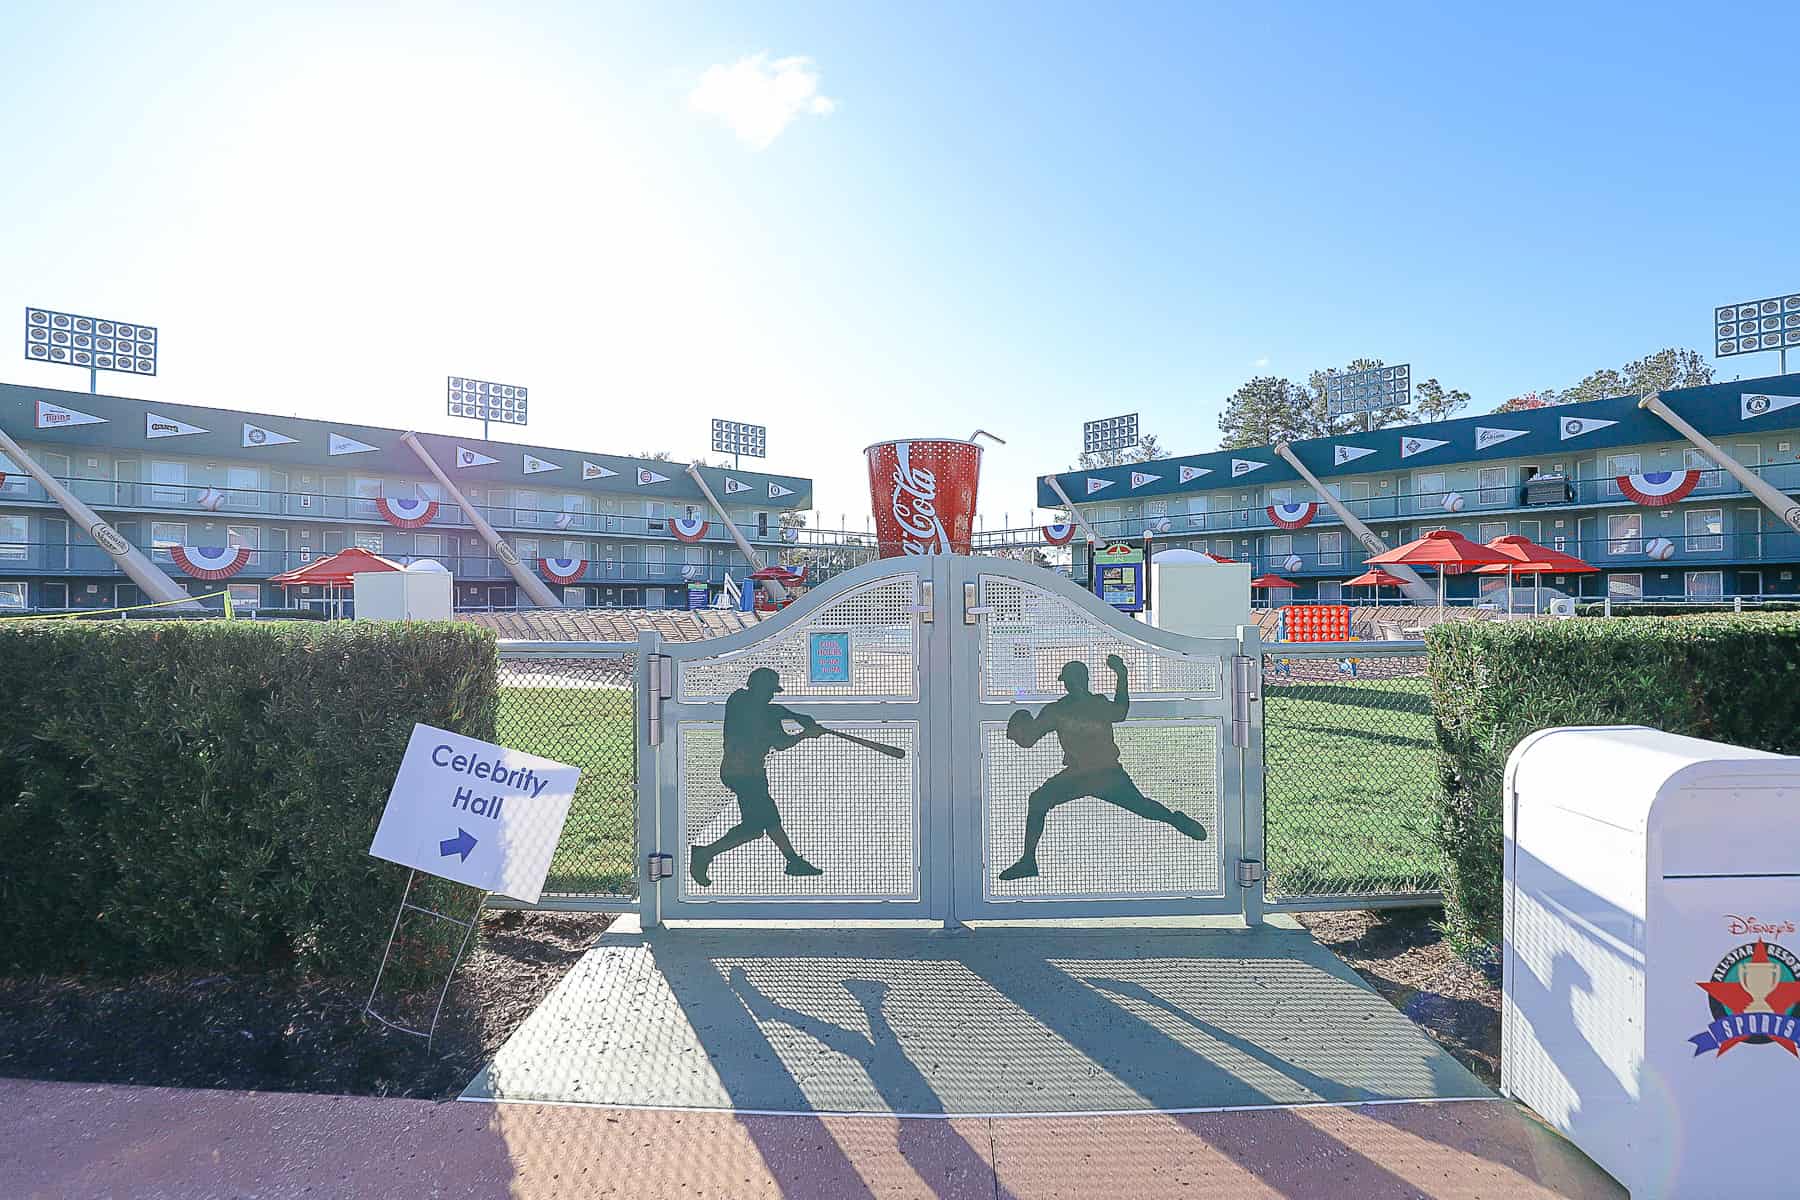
x=1562, y=606
x=1547, y=489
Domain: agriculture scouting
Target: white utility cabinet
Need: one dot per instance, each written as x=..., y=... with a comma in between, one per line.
x=1640, y=865
x=422, y=591
x=1195, y=594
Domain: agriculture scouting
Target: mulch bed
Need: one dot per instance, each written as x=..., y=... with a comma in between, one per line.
x=281, y=1032
x=1404, y=957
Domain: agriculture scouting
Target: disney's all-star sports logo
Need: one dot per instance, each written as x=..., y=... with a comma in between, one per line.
x=1754, y=994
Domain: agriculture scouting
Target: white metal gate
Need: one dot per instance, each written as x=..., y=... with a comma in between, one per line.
x=966, y=708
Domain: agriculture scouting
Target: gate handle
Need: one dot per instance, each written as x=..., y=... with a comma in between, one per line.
x=971, y=610
x=924, y=608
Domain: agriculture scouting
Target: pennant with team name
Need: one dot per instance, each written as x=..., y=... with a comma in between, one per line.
x=596, y=471
x=337, y=443
x=158, y=426
x=1574, y=427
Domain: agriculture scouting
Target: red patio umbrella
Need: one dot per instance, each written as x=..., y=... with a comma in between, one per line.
x=1272, y=581
x=336, y=571
x=1445, y=549
x=1374, y=577
x=1526, y=557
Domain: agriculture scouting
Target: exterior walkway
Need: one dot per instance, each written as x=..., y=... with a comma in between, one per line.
x=79, y=1140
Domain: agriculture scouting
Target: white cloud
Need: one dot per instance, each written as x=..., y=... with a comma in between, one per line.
x=759, y=97
x=1260, y=363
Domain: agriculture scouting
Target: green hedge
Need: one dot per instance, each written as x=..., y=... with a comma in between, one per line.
x=1733, y=678
x=185, y=794
x=1636, y=609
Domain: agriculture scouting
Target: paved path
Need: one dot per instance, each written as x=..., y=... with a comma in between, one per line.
x=79, y=1140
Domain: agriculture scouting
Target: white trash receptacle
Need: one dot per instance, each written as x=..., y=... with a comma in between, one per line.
x=1652, y=964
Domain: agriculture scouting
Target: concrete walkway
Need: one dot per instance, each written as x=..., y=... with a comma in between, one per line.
x=78, y=1140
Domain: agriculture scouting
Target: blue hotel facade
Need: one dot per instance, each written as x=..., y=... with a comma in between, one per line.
x=292, y=490
x=1403, y=481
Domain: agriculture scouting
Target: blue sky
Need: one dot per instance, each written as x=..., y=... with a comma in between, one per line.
x=854, y=222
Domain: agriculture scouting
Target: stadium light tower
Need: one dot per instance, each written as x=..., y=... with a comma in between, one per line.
x=1367, y=390
x=735, y=438
x=99, y=345
x=1752, y=326
x=482, y=401
x=1109, y=433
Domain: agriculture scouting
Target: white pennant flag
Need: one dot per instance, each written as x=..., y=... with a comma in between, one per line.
x=735, y=485
x=159, y=426
x=55, y=416
x=1343, y=454
x=1574, y=427
x=466, y=457
x=1140, y=478
x=1486, y=436
x=1189, y=474
x=1761, y=404
x=256, y=435
x=776, y=491
x=646, y=477
x=534, y=465
x=339, y=444
x=1410, y=446
x=1094, y=485
x=1243, y=466
x=596, y=471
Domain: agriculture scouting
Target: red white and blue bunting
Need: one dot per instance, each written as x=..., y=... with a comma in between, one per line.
x=562, y=570
x=1293, y=516
x=688, y=529
x=406, y=514
x=211, y=562
x=1059, y=534
x=1658, y=489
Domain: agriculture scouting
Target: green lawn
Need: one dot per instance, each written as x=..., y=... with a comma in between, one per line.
x=1351, y=772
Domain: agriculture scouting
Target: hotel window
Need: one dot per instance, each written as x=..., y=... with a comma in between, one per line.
x=1533, y=530
x=241, y=535
x=164, y=534
x=1625, y=586
x=1492, y=481
x=243, y=487
x=1704, y=585
x=1625, y=533
x=12, y=595
x=1428, y=489
x=245, y=595
x=1710, y=474
x=1281, y=495
x=369, y=541
x=1487, y=531
x=428, y=545
x=696, y=556
x=1280, y=545
x=528, y=549
x=1330, y=591
x=11, y=478
x=1331, y=549
x=1196, y=507
x=168, y=483
x=1705, y=529
x=14, y=531
x=1617, y=465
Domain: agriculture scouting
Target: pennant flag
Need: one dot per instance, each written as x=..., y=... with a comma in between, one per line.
x=55, y=416
x=1410, y=446
x=776, y=491
x=1189, y=474
x=1761, y=404
x=1060, y=533
x=1094, y=485
x=688, y=529
x=1343, y=454
x=156, y=426
x=466, y=457
x=1486, y=436
x=1243, y=466
x=339, y=444
x=562, y=570
x=646, y=477
x=534, y=465
x=1658, y=489
x=1574, y=427
x=735, y=485
x=1140, y=478
x=256, y=435
x=406, y=514
x=596, y=471
x=211, y=562
x=1293, y=516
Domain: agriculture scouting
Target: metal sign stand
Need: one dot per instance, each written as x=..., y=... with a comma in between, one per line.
x=468, y=935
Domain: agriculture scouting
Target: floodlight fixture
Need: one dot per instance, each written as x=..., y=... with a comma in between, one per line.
x=1109, y=433
x=1772, y=323
x=480, y=400
x=72, y=340
x=737, y=437
x=1368, y=390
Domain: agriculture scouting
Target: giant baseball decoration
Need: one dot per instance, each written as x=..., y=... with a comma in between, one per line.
x=1660, y=549
x=562, y=570
x=688, y=529
x=923, y=494
x=211, y=562
x=1453, y=502
x=406, y=514
x=1293, y=516
x=211, y=499
x=1658, y=489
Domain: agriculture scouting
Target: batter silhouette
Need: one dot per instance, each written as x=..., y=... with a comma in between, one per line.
x=1082, y=723
x=753, y=731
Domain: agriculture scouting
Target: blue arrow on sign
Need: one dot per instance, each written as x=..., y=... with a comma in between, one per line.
x=462, y=843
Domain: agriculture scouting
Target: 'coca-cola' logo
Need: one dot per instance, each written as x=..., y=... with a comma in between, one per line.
x=914, y=505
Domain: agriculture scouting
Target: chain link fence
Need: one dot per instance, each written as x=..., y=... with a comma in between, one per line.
x=1352, y=775
x=574, y=704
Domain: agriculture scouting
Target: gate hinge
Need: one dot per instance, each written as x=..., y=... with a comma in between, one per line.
x=1245, y=676
x=1250, y=871
x=659, y=866
x=660, y=670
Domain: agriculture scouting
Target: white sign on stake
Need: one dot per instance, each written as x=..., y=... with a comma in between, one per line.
x=475, y=813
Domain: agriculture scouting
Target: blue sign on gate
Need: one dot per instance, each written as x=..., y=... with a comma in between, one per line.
x=828, y=658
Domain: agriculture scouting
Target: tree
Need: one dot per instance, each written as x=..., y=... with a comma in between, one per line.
x=1145, y=451
x=1434, y=402
x=1269, y=409
x=1668, y=368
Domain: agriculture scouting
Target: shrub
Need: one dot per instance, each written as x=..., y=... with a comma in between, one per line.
x=1733, y=678
x=204, y=793
x=1636, y=609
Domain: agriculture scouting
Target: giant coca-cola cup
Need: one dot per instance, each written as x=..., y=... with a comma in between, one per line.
x=923, y=492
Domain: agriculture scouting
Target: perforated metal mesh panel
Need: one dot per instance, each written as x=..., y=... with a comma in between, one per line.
x=848, y=810
x=1031, y=633
x=1091, y=848
x=879, y=622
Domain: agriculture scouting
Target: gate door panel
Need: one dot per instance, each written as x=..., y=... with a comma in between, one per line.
x=853, y=655
x=1121, y=790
